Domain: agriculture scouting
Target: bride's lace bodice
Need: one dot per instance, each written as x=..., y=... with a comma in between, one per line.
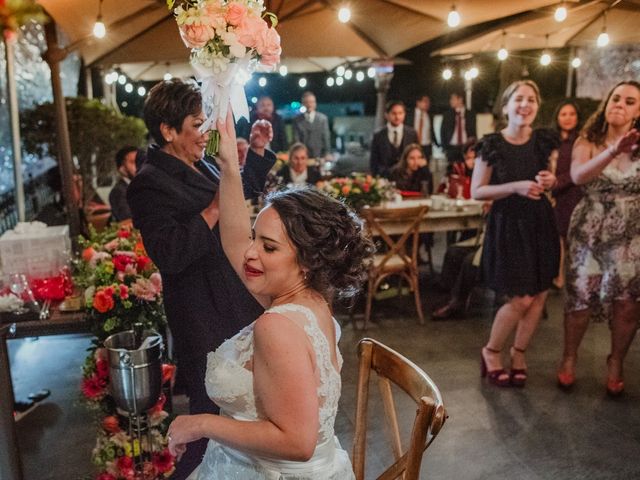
x=229, y=378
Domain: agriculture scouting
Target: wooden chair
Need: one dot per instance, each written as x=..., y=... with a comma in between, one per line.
x=396, y=260
x=392, y=367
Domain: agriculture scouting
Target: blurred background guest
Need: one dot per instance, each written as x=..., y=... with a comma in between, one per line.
x=423, y=125
x=566, y=193
x=457, y=182
x=312, y=128
x=458, y=125
x=412, y=173
x=265, y=110
x=298, y=171
x=126, y=166
x=243, y=148
x=389, y=142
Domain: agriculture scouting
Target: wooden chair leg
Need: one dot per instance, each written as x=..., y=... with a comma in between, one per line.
x=416, y=295
x=367, y=310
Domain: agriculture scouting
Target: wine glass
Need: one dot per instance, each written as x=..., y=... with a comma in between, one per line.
x=18, y=285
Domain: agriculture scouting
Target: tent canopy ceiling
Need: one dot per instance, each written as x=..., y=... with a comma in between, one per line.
x=581, y=28
x=143, y=31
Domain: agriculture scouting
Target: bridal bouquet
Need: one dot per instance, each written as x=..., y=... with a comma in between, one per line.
x=228, y=39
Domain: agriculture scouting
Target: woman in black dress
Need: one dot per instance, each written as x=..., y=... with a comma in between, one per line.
x=521, y=248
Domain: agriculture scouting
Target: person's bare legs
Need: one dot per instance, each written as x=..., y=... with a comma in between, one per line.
x=558, y=282
x=624, y=325
x=525, y=330
x=575, y=326
x=506, y=321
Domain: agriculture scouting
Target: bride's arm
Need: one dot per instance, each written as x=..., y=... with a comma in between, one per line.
x=234, y=221
x=285, y=383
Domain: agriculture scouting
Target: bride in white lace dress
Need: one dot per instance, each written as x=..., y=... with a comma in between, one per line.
x=277, y=381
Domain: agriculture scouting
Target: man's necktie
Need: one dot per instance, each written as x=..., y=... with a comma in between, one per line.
x=395, y=138
x=459, y=128
x=420, y=127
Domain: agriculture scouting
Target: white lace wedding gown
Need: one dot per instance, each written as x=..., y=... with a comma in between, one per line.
x=230, y=385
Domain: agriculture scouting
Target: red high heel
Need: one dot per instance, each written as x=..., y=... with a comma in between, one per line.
x=498, y=377
x=517, y=376
x=615, y=388
x=565, y=380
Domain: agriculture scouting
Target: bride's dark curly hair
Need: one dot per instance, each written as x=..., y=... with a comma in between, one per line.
x=330, y=240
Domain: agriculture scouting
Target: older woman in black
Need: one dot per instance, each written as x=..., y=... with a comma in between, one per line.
x=173, y=201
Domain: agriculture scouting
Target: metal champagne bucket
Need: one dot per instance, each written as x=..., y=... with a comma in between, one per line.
x=135, y=374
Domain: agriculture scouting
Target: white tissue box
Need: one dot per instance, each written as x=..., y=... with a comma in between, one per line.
x=37, y=251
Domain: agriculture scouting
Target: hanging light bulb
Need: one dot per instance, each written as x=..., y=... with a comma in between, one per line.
x=545, y=58
x=453, y=19
x=108, y=78
x=302, y=82
x=576, y=62
x=122, y=79
x=99, y=30
x=262, y=81
x=142, y=91
x=330, y=82
x=560, y=14
x=128, y=88
x=344, y=14
x=339, y=81
x=447, y=74
x=603, y=38
x=167, y=75
x=503, y=53
x=371, y=72
x=348, y=74
x=360, y=76
x=283, y=70
x=340, y=71
x=474, y=72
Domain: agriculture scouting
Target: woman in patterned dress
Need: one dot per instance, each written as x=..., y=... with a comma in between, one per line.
x=521, y=248
x=277, y=381
x=603, y=277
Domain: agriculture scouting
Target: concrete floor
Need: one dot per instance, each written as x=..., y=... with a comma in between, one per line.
x=538, y=432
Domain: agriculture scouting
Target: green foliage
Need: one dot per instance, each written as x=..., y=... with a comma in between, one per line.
x=96, y=133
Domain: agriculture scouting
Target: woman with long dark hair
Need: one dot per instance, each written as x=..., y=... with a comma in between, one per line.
x=603, y=275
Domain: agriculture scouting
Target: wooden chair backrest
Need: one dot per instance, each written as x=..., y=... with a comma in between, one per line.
x=413, y=215
x=392, y=367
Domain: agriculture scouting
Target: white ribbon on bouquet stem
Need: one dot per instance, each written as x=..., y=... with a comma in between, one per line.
x=221, y=90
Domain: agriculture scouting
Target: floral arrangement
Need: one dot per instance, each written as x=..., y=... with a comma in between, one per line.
x=122, y=288
x=15, y=13
x=228, y=39
x=122, y=285
x=359, y=190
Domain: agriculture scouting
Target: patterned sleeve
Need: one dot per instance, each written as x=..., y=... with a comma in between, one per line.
x=489, y=148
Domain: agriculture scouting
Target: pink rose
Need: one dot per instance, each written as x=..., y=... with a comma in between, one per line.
x=196, y=35
x=268, y=47
x=236, y=13
x=249, y=30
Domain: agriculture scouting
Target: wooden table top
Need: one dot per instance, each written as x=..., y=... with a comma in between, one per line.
x=58, y=323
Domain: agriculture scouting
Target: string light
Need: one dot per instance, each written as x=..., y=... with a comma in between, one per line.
x=262, y=81
x=474, y=72
x=603, y=38
x=167, y=75
x=503, y=53
x=371, y=72
x=122, y=79
x=339, y=81
x=340, y=71
x=360, y=76
x=128, y=88
x=99, y=30
x=302, y=82
x=560, y=14
x=283, y=70
x=142, y=91
x=330, y=82
x=545, y=59
x=447, y=74
x=344, y=14
x=576, y=62
x=453, y=19
x=348, y=74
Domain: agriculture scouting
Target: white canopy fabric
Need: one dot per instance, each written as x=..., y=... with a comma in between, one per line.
x=584, y=23
x=144, y=31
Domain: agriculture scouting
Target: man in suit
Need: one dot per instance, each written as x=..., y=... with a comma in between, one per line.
x=265, y=110
x=458, y=126
x=126, y=167
x=172, y=199
x=298, y=172
x=389, y=142
x=312, y=128
x=423, y=125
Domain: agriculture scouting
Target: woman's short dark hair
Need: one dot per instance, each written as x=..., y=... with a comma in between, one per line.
x=170, y=102
x=330, y=240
